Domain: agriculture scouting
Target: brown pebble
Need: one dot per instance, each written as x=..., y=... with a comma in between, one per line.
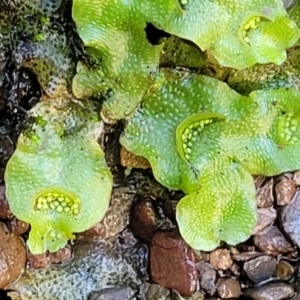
x=229, y=288
x=17, y=227
x=221, y=259
x=260, y=268
x=266, y=217
x=61, y=256
x=129, y=160
x=285, y=190
x=12, y=256
x=143, y=220
x=172, y=263
x=244, y=256
x=207, y=278
x=169, y=206
x=154, y=291
x=5, y=213
x=39, y=261
x=235, y=269
x=271, y=291
x=284, y=270
x=264, y=194
x=272, y=241
x=258, y=180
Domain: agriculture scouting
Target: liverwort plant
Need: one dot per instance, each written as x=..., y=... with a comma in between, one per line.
x=57, y=179
x=114, y=36
x=211, y=139
x=238, y=34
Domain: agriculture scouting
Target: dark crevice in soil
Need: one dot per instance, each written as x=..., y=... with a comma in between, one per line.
x=154, y=34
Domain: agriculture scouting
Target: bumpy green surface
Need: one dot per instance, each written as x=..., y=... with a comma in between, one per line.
x=210, y=140
x=222, y=27
x=115, y=37
x=238, y=35
x=175, y=97
x=57, y=179
x=270, y=76
x=223, y=209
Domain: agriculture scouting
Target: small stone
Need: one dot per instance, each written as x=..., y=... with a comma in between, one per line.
x=221, y=259
x=296, y=178
x=272, y=241
x=235, y=269
x=115, y=293
x=172, y=263
x=284, y=270
x=258, y=180
x=285, y=190
x=38, y=261
x=17, y=227
x=266, y=217
x=143, y=220
x=170, y=208
x=5, y=213
x=129, y=160
x=61, y=256
x=196, y=296
x=229, y=288
x=207, y=278
x=264, y=194
x=272, y=291
x=155, y=291
x=290, y=219
x=260, y=268
x=12, y=257
x=245, y=256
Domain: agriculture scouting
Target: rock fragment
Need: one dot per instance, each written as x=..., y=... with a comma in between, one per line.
x=113, y=294
x=272, y=241
x=266, y=217
x=143, y=220
x=155, y=291
x=285, y=190
x=290, y=219
x=264, y=194
x=260, y=268
x=229, y=288
x=221, y=259
x=17, y=227
x=12, y=257
x=172, y=263
x=272, y=291
x=284, y=270
x=5, y=213
x=38, y=261
x=296, y=178
x=207, y=278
